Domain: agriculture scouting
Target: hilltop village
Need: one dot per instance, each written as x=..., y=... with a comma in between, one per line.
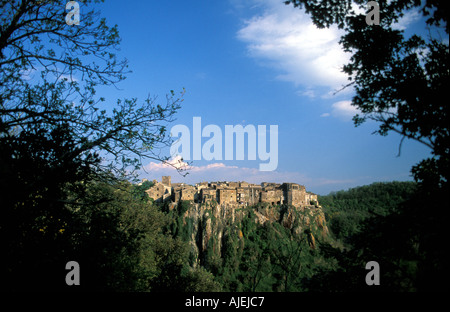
x=232, y=193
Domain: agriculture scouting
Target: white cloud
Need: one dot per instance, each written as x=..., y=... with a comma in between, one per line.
x=410, y=17
x=343, y=110
x=28, y=74
x=285, y=38
x=308, y=92
x=222, y=172
x=219, y=172
x=172, y=164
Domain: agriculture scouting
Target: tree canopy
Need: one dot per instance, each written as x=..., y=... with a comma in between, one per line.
x=70, y=62
x=64, y=155
x=400, y=82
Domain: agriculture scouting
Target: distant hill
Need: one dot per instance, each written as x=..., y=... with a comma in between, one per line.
x=346, y=210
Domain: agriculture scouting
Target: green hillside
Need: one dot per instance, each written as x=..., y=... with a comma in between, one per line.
x=345, y=211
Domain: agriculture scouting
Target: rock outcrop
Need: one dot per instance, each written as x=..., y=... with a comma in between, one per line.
x=210, y=223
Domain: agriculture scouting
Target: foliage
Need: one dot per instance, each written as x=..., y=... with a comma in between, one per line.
x=346, y=211
x=402, y=232
x=252, y=257
x=36, y=41
x=399, y=81
x=139, y=190
x=64, y=159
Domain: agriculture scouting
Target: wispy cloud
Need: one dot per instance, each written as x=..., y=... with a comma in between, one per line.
x=66, y=77
x=410, y=17
x=223, y=172
x=343, y=109
x=28, y=74
x=309, y=92
x=284, y=37
x=219, y=172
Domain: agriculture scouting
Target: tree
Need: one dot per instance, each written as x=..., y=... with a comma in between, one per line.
x=139, y=190
x=55, y=139
x=36, y=39
x=289, y=259
x=399, y=82
x=256, y=267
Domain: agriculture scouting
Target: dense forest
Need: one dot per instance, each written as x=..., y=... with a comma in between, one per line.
x=126, y=242
x=277, y=256
x=346, y=211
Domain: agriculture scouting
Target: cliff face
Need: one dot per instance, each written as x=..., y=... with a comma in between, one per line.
x=207, y=226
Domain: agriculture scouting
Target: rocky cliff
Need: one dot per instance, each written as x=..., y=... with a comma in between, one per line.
x=208, y=226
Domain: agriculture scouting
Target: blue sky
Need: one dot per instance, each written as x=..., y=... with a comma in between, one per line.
x=250, y=62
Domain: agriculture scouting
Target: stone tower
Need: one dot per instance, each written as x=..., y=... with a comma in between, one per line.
x=166, y=180
x=294, y=194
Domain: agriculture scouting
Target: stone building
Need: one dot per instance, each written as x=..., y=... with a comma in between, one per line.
x=238, y=193
x=272, y=195
x=160, y=191
x=166, y=180
x=182, y=191
x=227, y=196
x=208, y=195
x=311, y=198
x=248, y=195
x=294, y=194
x=188, y=193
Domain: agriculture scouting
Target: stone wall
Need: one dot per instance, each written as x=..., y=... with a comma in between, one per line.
x=208, y=195
x=272, y=196
x=294, y=194
x=311, y=198
x=188, y=193
x=159, y=192
x=166, y=180
x=227, y=196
